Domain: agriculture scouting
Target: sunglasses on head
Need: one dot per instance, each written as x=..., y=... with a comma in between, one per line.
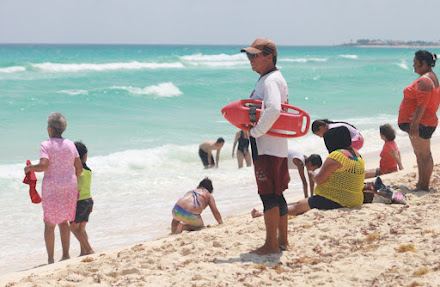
x=251, y=56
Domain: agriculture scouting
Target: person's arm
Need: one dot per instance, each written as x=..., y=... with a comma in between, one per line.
x=396, y=155
x=43, y=165
x=235, y=143
x=214, y=210
x=272, y=102
x=312, y=185
x=414, y=126
x=78, y=167
x=300, y=167
x=330, y=165
x=217, y=157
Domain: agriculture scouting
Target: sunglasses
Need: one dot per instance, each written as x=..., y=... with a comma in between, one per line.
x=251, y=56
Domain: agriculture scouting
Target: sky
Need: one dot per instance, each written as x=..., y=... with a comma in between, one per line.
x=220, y=22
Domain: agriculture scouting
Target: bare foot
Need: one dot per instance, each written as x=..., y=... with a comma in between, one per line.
x=284, y=247
x=65, y=258
x=256, y=213
x=266, y=250
x=50, y=261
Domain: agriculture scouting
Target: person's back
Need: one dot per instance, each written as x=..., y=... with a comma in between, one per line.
x=61, y=153
x=345, y=185
x=195, y=201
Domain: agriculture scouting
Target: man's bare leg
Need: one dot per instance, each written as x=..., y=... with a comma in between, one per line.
x=49, y=238
x=283, y=241
x=272, y=221
x=65, y=239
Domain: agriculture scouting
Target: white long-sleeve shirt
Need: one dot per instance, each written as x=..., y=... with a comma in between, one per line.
x=272, y=90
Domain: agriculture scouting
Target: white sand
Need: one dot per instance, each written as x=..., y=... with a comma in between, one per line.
x=374, y=245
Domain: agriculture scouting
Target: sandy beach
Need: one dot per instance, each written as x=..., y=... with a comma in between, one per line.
x=375, y=245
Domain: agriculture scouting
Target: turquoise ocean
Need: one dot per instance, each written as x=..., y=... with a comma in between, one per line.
x=143, y=110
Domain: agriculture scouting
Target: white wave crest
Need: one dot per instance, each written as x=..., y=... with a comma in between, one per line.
x=12, y=69
x=403, y=65
x=349, y=56
x=215, y=58
x=73, y=92
x=163, y=90
x=304, y=60
x=220, y=60
x=56, y=67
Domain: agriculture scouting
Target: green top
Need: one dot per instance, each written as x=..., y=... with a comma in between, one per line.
x=84, y=182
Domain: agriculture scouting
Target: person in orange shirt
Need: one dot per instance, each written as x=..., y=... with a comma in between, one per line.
x=417, y=113
x=390, y=155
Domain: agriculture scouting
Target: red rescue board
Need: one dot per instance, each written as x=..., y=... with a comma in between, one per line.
x=293, y=122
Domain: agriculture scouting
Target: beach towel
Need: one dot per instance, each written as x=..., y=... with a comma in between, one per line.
x=31, y=179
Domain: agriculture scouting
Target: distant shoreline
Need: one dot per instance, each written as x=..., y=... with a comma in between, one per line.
x=396, y=46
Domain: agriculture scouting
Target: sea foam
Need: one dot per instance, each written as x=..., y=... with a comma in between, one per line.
x=12, y=69
x=220, y=60
x=57, y=67
x=73, y=92
x=349, y=56
x=162, y=90
x=303, y=60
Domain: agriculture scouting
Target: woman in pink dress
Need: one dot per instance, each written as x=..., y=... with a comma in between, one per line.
x=61, y=164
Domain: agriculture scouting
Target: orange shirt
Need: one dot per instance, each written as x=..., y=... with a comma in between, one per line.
x=412, y=98
x=387, y=162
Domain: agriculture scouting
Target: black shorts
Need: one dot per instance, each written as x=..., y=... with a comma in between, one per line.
x=273, y=200
x=425, y=132
x=83, y=209
x=204, y=157
x=320, y=202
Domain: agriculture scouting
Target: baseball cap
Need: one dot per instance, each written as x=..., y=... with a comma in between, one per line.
x=262, y=45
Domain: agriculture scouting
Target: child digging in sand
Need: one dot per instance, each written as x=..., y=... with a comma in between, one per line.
x=187, y=210
x=84, y=204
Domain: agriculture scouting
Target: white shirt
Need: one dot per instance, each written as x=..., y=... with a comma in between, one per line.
x=272, y=90
x=354, y=133
x=294, y=154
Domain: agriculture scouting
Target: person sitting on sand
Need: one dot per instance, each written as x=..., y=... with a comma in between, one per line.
x=390, y=155
x=319, y=127
x=205, y=152
x=187, y=210
x=297, y=160
x=340, y=180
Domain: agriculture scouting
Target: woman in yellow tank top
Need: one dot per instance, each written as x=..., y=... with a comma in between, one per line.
x=340, y=180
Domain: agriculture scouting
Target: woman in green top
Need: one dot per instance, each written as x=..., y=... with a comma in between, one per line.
x=340, y=179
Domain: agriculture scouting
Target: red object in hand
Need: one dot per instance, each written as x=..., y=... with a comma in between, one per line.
x=31, y=179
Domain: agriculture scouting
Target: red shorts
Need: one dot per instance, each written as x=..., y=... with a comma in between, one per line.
x=271, y=174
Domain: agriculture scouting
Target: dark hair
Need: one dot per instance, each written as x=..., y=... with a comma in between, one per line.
x=206, y=183
x=220, y=140
x=428, y=57
x=337, y=138
x=82, y=149
x=319, y=123
x=315, y=160
x=274, y=58
x=388, y=132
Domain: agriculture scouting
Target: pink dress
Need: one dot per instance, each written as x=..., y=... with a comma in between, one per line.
x=60, y=185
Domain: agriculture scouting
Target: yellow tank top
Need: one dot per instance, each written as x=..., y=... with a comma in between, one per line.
x=84, y=182
x=346, y=183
